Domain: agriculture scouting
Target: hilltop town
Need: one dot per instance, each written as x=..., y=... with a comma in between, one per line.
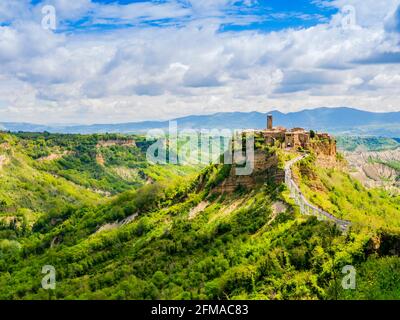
x=295, y=138
x=273, y=143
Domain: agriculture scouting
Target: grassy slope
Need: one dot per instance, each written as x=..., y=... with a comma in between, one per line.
x=236, y=248
x=124, y=167
x=377, y=279
x=335, y=191
x=371, y=211
x=29, y=192
x=164, y=255
x=29, y=184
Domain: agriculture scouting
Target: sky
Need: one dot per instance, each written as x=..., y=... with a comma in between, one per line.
x=125, y=61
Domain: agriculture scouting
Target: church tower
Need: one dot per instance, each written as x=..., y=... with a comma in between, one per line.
x=269, y=122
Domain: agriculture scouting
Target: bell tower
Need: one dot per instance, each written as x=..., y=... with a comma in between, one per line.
x=269, y=122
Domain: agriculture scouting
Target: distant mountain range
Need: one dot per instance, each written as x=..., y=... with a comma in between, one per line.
x=334, y=120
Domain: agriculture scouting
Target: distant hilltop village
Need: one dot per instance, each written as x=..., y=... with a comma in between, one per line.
x=266, y=163
x=297, y=138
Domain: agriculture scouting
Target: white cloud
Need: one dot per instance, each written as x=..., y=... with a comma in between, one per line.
x=139, y=73
x=10, y=9
x=368, y=12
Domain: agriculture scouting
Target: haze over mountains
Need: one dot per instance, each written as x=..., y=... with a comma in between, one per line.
x=341, y=120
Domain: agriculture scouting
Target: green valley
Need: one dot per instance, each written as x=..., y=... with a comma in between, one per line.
x=116, y=227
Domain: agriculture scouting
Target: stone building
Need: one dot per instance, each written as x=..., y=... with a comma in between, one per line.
x=294, y=138
x=265, y=164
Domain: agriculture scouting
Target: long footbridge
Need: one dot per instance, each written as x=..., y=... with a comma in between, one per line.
x=306, y=207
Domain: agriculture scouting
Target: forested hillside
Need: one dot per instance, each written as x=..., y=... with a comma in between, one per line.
x=42, y=175
x=353, y=143
x=166, y=233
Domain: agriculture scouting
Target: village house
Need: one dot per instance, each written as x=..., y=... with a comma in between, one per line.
x=294, y=138
x=291, y=139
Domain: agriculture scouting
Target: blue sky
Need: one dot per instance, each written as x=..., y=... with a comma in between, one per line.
x=269, y=15
x=118, y=61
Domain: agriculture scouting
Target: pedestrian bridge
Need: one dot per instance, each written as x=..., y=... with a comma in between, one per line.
x=306, y=207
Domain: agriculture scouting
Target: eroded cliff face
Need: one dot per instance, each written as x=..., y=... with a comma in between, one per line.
x=325, y=151
x=265, y=169
x=116, y=142
x=372, y=169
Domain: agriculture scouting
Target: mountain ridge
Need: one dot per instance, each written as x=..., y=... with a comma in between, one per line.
x=340, y=120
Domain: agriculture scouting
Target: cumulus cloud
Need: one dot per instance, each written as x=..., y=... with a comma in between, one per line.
x=10, y=9
x=369, y=13
x=185, y=65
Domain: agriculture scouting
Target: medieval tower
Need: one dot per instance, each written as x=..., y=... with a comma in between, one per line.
x=269, y=122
